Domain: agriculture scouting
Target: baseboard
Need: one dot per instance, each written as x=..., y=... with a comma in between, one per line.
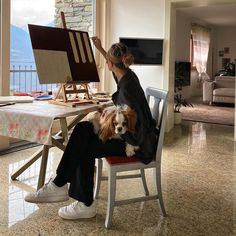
x=18, y=147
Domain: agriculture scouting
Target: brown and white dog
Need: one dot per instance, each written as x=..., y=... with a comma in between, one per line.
x=114, y=121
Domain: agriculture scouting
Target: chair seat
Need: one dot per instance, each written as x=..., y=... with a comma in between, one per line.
x=119, y=160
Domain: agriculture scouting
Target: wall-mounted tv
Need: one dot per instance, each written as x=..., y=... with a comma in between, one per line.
x=182, y=73
x=145, y=51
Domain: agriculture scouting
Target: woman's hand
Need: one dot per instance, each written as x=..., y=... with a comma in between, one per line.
x=97, y=43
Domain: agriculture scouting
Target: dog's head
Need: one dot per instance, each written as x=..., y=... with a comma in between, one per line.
x=118, y=121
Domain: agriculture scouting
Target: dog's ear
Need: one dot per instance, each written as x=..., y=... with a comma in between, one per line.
x=131, y=118
x=104, y=116
x=107, y=128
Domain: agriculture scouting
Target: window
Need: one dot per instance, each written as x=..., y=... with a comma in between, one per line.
x=23, y=73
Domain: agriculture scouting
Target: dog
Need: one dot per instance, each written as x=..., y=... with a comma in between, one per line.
x=116, y=121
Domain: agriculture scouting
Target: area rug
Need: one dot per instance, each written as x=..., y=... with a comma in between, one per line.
x=216, y=113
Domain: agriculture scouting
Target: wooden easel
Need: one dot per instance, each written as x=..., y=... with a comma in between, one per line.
x=71, y=89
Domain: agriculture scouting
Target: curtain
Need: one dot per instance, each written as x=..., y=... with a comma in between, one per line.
x=201, y=44
x=102, y=31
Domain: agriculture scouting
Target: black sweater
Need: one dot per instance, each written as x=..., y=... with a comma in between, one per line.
x=129, y=92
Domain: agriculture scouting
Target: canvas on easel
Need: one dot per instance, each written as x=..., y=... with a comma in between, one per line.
x=63, y=56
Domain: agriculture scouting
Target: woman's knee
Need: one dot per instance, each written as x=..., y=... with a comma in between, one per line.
x=83, y=126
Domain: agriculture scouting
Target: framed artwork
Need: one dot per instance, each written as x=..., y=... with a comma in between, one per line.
x=62, y=55
x=225, y=61
x=221, y=53
x=226, y=50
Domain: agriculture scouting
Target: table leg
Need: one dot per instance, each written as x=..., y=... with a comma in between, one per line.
x=43, y=166
x=64, y=129
x=34, y=158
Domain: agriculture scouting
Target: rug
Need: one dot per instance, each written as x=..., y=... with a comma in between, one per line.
x=216, y=113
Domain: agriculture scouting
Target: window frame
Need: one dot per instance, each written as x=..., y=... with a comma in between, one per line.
x=5, y=47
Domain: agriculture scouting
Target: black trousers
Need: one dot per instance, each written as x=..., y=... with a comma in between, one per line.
x=78, y=161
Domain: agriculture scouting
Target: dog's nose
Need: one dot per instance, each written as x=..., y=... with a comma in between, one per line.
x=119, y=129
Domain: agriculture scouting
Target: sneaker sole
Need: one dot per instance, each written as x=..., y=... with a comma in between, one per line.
x=76, y=218
x=48, y=199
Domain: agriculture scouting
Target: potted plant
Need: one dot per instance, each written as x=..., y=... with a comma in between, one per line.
x=179, y=100
x=228, y=70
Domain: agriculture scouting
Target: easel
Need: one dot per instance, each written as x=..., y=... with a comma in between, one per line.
x=71, y=88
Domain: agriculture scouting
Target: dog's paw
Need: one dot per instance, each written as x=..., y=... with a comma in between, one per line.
x=96, y=127
x=130, y=150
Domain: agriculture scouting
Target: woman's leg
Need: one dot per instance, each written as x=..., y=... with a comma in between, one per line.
x=78, y=161
x=77, y=166
x=74, y=153
x=82, y=183
x=75, y=150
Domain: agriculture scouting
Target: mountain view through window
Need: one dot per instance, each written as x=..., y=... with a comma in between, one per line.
x=23, y=75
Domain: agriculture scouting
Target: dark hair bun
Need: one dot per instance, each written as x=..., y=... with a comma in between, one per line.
x=128, y=60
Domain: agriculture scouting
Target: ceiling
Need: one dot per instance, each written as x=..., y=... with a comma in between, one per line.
x=217, y=15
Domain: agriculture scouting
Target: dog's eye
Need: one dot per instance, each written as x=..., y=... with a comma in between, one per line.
x=115, y=123
x=124, y=123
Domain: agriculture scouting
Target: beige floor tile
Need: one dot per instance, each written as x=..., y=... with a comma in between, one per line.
x=198, y=170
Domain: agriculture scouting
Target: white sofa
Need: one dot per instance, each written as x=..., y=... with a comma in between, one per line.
x=222, y=89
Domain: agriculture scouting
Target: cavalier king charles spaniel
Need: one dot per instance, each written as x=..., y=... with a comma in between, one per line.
x=112, y=122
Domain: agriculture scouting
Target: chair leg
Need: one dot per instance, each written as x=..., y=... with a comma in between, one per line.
x=98, y=178
x=111, y=196
x=157, y=181
x=144, y=182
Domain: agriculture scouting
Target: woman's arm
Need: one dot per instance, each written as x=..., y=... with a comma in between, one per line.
x=98, y=45
x=133, y=100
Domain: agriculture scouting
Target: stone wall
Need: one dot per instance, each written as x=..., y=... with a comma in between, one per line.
x=78, y=14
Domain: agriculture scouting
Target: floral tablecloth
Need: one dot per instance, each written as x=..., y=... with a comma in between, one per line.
x=33, y=121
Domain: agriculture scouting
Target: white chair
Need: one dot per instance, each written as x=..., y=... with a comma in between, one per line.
x=122, y=164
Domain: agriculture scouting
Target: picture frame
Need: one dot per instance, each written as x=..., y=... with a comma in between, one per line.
x=226, y=50
x=221, y=53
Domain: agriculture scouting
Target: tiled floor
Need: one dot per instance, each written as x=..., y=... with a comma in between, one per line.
x=198, y=186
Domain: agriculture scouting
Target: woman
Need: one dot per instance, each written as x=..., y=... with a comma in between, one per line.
x=77, y=164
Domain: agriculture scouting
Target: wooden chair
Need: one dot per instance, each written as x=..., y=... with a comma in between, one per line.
x=122, y=164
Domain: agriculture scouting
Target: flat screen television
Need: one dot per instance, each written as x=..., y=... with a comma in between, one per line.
x=182, y=73
x=145, y=51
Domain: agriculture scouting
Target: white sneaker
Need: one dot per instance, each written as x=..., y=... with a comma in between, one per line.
x=48, y=193
x=77, y=210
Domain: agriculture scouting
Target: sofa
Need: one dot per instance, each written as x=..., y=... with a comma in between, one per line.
x=222, y=89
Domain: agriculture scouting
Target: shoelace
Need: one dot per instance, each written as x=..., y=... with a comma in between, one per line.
x=76, y=204
x=45, y=186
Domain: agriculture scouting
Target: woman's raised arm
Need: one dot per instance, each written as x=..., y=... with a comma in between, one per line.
x=98, y=45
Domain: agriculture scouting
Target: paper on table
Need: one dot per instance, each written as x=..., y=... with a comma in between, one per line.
x=16, y=99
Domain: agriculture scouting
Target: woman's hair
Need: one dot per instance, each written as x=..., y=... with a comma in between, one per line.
x=120, y=55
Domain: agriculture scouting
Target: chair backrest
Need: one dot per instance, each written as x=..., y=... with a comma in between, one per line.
x=225, y=81
x=159, y=112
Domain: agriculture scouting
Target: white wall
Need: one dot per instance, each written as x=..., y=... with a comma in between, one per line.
x=182, y=43
x=183, y=33
x=226, y=37
x=137, y=18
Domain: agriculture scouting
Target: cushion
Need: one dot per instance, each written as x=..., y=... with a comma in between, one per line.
x=119, y=160
x=225, y=82
x=224, y=99
x=225, y=92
